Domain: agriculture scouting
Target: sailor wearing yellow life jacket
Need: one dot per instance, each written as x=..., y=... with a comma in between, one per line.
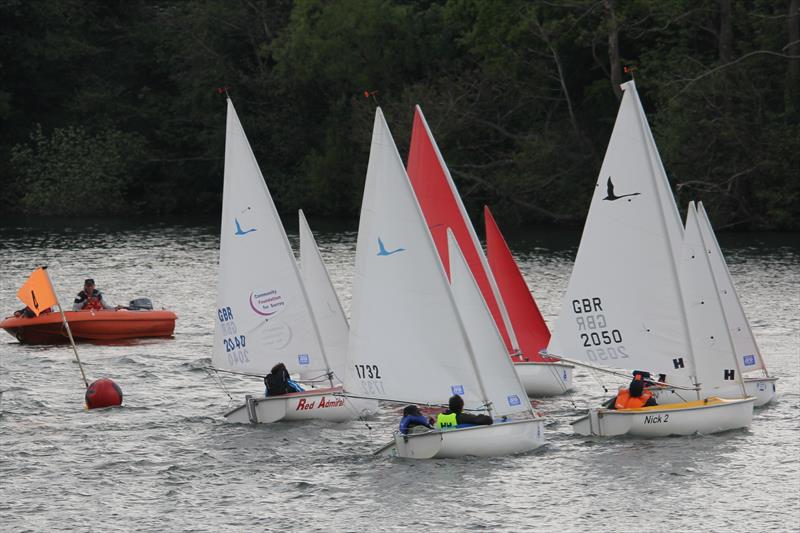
x=454, y=417
x=636, y=395
x=90, y=298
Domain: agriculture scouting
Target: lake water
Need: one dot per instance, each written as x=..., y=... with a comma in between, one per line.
x=168, y=461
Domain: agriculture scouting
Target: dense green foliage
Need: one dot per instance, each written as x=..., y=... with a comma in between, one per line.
x=117, y=100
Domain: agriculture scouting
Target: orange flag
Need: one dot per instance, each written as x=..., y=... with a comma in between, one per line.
x=37, y=293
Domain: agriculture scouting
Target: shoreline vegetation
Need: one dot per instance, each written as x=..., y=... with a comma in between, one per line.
x=112, y=108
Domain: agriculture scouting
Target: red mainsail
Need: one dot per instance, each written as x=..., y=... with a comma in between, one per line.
x=442, y=207
x=526, y=319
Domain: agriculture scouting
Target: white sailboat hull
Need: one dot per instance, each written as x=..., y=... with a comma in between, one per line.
x=704, y=416
x=501, y=438
x=545, y=379
x=315, y=404
x=761, y=388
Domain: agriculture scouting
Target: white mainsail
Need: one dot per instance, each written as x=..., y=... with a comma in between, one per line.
x=744, y=342
x=263, y=316
x=325, y=304
x=672, y=217
x=501, y=385
x=711, y=341
x=623, y=307
x=406, y=342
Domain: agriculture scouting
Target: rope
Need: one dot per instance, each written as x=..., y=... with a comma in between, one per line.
x=218, y=380
x=328, y=376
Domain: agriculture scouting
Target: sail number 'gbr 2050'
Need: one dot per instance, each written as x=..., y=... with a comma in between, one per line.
x=370, y=378
x=601, y=341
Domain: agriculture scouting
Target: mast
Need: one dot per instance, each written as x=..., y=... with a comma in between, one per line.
x=314, y=249
x=673, y=264
x=716, y=248
x=400, y=286
x=706, y=252
x=462, y=278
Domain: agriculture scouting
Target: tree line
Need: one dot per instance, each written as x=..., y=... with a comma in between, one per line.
x=117, y=107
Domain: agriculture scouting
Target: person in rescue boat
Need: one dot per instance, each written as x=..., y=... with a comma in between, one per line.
x=90, y=298
x=27, y=312
x=636, y=395
x=454, y=417
x=278, y=382
x=412, y=417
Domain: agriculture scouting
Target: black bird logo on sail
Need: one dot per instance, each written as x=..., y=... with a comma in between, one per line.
x=611, y=196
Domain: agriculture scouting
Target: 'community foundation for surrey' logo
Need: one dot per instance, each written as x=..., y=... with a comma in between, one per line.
x=267, y=303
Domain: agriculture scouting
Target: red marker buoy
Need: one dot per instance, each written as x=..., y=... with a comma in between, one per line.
x=103, y=393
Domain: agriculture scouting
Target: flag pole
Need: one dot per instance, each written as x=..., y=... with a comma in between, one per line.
x=66, y=325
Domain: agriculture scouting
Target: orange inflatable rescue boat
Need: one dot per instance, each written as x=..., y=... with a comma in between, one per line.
x=91, y=325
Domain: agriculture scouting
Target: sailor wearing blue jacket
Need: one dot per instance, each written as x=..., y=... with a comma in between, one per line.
x=412, y=417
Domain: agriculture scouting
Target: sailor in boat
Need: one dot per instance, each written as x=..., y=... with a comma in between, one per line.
x=413, y=418
x=27, y=312
x=279, y=382
x=636, y=395
x=91, y=298
x=454, y=417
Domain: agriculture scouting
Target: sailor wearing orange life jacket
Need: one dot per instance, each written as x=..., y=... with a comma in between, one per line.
x=90, y=298
x=636, y=395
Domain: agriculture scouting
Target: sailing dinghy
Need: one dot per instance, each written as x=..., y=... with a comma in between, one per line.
x=414, y=338
x=541, y=376
x=762, y=386
x=522, y=327
x=632, y=304
x=264, y=310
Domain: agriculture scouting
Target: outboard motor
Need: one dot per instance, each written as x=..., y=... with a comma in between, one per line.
x=141, y=304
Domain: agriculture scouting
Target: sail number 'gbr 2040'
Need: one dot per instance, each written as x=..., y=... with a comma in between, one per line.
x=234, y=344
x=602, y=342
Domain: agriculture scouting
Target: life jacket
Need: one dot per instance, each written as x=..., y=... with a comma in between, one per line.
x=626, y=401
x=92, y=302
x=280, y=384
x=446, y=421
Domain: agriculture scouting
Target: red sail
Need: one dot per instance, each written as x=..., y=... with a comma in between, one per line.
x=442, y=208
x=529, y=326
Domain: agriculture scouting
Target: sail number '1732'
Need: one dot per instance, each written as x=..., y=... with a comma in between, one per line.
x=368, y=371
x=370, y=376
